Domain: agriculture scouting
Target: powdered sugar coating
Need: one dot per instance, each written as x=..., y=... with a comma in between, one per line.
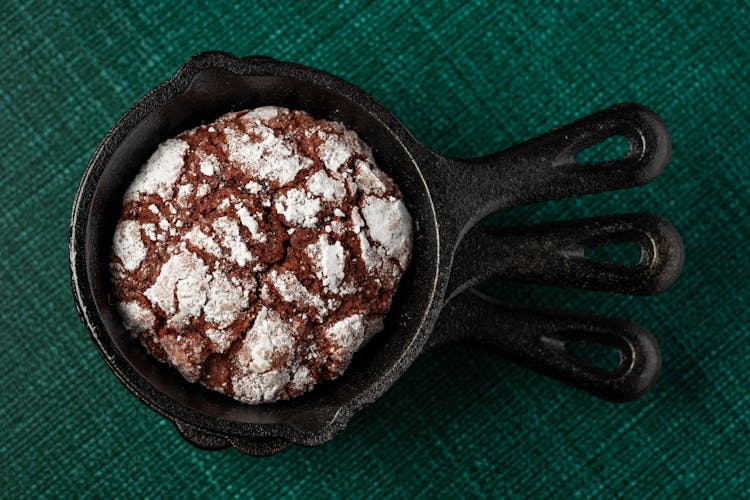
x=128, y=244
x=258, y=253
x=389, y=225
x=160, y=172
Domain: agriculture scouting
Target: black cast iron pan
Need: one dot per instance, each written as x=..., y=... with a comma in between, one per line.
x=446, y=198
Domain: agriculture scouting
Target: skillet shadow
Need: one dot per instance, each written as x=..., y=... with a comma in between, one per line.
x=442, y=391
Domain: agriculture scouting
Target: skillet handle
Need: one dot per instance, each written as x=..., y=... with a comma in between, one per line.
x=541, y=340
x=256, y=446
x=545, y=168
x=555, y=254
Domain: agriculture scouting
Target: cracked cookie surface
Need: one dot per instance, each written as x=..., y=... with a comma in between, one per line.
x=256, y=254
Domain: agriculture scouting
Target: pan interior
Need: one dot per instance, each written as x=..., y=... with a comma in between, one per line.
x=211, y=93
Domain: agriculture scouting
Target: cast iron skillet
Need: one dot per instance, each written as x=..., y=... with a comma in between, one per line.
x=446, y=198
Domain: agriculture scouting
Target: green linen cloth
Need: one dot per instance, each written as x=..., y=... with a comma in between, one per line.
x=468, y=78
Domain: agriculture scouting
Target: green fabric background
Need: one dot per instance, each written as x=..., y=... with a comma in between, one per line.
x=468, y=78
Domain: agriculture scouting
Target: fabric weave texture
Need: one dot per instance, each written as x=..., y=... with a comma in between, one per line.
x=468, y=79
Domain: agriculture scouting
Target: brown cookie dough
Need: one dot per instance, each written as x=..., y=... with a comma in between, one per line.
x=256, y=254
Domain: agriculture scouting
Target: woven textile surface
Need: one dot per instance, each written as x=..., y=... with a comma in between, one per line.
x=468, y=79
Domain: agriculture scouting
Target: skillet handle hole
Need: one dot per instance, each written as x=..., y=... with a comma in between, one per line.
x=603, y=357
x=626, y=253
x=613, y=148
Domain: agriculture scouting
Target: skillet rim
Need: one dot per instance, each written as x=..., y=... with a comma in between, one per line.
x=85, y=302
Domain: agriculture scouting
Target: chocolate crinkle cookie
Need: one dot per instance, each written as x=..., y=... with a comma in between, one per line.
x=257, y=253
